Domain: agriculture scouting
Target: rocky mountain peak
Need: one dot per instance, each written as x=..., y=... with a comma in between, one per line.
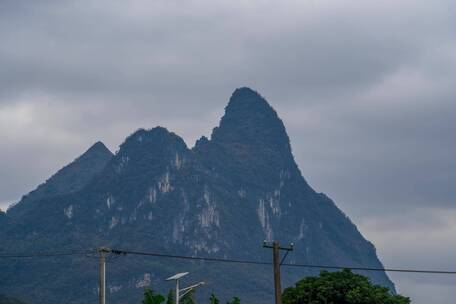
x=156, y=140
x=96, y=151
x=98, y=148
x=201, y=141
x=145, y=150
x=250, y=120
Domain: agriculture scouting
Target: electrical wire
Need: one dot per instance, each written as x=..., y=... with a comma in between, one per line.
x=371, y=269
x=285, y=264
x=184, y=257
x=220, y=260
x=46, y=254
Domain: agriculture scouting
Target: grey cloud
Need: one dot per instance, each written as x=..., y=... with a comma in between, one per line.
x=160, y=47
x=398, y=138
x=421, y=236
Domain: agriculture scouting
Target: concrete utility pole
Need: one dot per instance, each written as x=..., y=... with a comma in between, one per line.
x=102, y=275
x=277, y=262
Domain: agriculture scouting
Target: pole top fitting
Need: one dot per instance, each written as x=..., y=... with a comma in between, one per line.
x=104, y=250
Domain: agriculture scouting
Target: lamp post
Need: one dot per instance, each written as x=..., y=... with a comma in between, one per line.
x=180, y=293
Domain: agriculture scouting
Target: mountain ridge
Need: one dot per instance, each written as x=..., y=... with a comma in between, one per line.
x=70, y=178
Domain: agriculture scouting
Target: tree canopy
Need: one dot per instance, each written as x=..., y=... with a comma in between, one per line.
x=343, y=287
x=151, y=297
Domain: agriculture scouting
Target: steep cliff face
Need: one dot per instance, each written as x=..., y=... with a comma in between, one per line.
x=221, y=198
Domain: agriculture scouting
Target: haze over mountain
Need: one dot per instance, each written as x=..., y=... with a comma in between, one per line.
x=221, y=198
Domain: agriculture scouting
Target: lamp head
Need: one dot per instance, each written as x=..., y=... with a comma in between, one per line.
x=177, y=276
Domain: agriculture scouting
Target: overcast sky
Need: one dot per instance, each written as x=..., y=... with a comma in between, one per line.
x=366, y=90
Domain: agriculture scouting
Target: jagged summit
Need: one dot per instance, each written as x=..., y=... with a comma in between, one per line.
x=246, y=95
x=143, y=142
x=98, y=147
x=201, y=141
x=97, y=150
x=250, y=120
x=149, y=135
x=146, y=150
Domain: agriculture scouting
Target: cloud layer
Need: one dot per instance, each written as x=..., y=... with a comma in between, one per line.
x=366, y=91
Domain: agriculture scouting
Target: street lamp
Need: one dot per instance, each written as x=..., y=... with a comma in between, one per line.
x=185, y=290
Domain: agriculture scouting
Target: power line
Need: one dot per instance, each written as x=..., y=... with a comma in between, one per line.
x=184, y=257
x=371, y=269
x=45, y=254
x=219, y=260
x=154, y=254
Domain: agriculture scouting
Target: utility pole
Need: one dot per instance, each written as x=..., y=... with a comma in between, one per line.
x=277, y=262
x=177, y=292
x=102, y=275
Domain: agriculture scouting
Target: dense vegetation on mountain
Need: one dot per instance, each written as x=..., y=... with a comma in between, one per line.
x=221, y=199
x=7, y=300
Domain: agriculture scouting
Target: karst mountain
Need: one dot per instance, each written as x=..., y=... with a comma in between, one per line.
x=221, y=199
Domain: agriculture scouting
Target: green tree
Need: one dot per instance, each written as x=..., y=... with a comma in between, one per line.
x=343, y=287
x=188, y=298
x=213, y=299
x=152, y=298
x=170, y=297
x=235, y=300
